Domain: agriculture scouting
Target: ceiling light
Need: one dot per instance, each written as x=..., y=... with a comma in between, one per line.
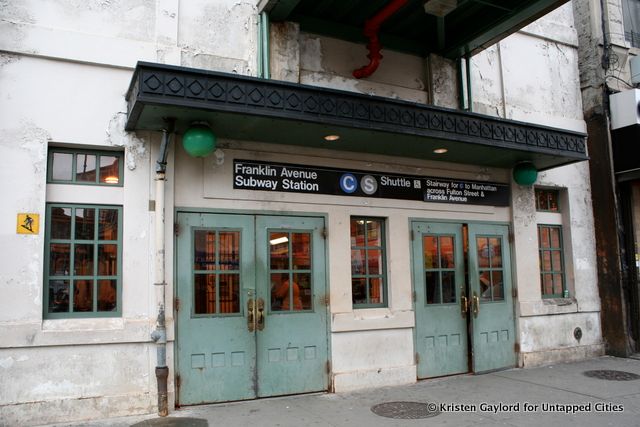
x=332, y=137
x=279, y=240
x=111, y=180
x=440, y=150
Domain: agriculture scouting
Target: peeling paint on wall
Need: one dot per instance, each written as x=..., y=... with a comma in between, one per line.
x=135, y=148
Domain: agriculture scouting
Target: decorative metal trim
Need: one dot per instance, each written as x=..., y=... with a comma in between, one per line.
x=206, y=90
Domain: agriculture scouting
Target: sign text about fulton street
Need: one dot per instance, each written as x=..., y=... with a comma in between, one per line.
x=267, y=176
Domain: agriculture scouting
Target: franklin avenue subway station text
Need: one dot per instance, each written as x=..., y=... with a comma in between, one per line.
x=267, y=176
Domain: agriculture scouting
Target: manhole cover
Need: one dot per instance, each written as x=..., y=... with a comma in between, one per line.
x=607, y=374
x=406, y=410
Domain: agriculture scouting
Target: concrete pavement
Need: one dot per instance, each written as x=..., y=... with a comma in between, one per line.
x=548, y=396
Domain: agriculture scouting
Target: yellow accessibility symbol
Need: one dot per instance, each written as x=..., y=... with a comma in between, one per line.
x=28, y=223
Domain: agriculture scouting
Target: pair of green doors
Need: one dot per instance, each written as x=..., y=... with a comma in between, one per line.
x=252, y=316
x=464, y=302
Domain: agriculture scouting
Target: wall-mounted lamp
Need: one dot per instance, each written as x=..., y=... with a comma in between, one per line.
x=525, y=173
x=199, y=140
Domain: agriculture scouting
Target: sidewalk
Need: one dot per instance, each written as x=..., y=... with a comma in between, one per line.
x=517, y=397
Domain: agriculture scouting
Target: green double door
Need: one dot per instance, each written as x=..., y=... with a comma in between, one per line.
x=464, y=303
x=252, y=317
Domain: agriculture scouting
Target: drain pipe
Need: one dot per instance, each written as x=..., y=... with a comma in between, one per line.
x=159, y=335
x=371, y=28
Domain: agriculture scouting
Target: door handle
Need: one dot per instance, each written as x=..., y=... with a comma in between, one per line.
x=251, y=315
x=260, y=315
x=475, y=305
x=464, y=305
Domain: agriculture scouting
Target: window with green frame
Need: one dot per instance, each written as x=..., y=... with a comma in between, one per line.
x=547, y=200
x=551, y=260
x=90, y=167
x=368, y=265
x=83, y=261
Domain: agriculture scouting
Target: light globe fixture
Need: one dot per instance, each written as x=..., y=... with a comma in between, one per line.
x=199, y=140
x=525, y=173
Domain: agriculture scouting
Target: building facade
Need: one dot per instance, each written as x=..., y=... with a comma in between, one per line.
x=610, y=75
x=342, y=233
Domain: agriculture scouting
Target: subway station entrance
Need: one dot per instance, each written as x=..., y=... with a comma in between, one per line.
x=464, y=302
x=252, y=317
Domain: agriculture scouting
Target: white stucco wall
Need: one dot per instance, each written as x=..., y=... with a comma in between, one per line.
x=64, y=69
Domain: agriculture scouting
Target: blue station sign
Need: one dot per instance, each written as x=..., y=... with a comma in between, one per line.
x=268, y=176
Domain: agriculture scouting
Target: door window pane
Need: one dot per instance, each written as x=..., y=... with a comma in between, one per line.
x=448, y=287
x=229, y=250
x=484, y=252
x=301, y=247
x=446, y=252
x=430, y=251
x=304, y=296
x=204, y=293
x=204, y=254
x=432, y=285
x=229, y=293
x=85, y=167
x=497, y=286
x=279, y=291
x=279, y=251
x=495, y=251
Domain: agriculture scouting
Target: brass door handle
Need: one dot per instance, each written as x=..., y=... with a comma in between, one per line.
x=464, y=305
x=251, y=315
x=260, y=315
x=475, y=305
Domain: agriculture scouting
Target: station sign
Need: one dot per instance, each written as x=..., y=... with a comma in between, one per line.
x=284, y=177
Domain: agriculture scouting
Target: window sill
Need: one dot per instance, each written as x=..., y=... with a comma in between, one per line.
x=548, y=306
x=368, y=319
x=60, y=332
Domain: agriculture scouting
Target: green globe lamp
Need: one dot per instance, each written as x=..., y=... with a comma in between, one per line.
x=199, y=140
x=525, y=173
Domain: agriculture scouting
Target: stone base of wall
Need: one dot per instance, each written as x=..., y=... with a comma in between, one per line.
x=560, y=355
x=358, y=380
x=74, y=410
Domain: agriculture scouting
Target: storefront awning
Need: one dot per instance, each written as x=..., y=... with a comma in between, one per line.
x=246, y=108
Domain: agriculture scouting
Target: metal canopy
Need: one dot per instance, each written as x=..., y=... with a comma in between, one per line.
x=247, y=108
x=471, y=27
